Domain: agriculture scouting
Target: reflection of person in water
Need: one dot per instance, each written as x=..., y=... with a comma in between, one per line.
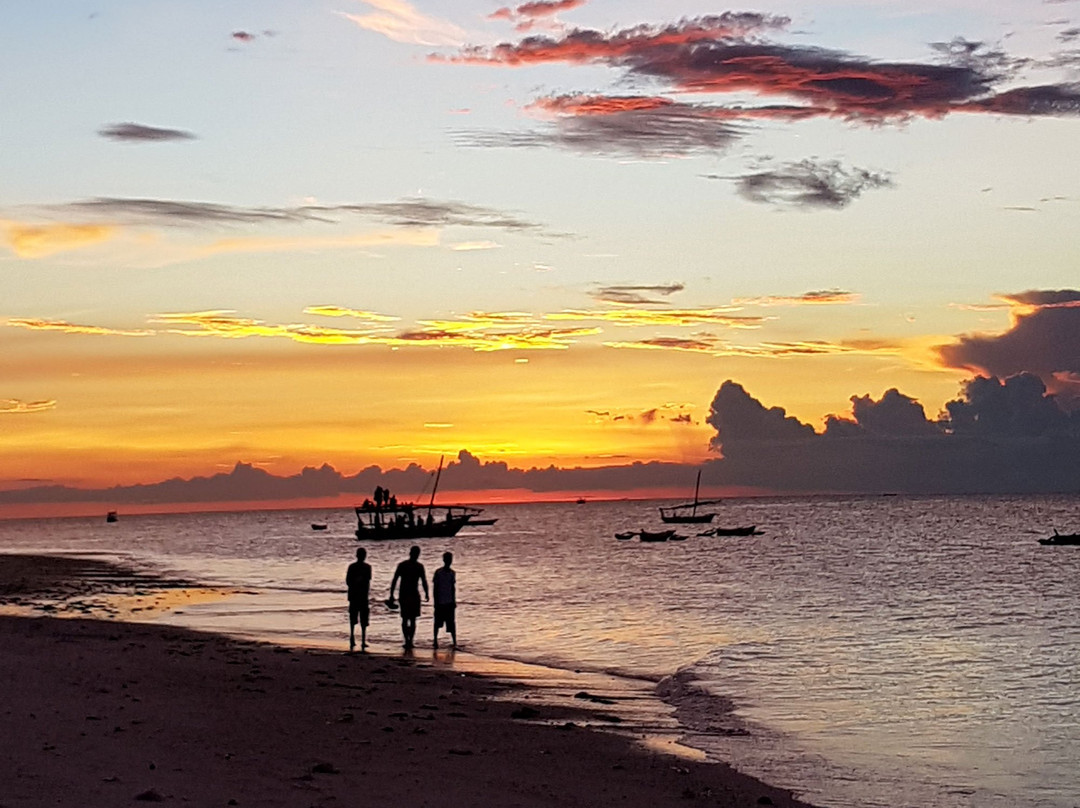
x=358, y=581
x=411, y=574
x=444, y=582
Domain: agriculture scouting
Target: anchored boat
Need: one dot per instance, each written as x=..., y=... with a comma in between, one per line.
x=386, y=519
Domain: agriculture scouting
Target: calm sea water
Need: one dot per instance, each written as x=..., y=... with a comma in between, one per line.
x=879, y=651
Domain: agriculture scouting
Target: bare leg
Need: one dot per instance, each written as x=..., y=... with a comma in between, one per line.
x=363, y=638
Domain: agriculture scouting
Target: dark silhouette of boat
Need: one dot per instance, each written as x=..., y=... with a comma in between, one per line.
x=384, y=521
x=1061, y=539
x=687, y=513
x=660, y=535
x=487, y=521
x=112, y=516
x=748, y=530
x=318, y=526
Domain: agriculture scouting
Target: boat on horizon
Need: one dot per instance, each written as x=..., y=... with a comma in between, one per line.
x=112, y=516
x=748, y=530
x=687, y=512
x=385, y=520
x=1061, y=539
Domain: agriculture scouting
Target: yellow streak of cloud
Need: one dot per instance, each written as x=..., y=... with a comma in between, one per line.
x=40, y=240
x=72, y=328
x=15, y=406
x=359, y=314
x=667, y=317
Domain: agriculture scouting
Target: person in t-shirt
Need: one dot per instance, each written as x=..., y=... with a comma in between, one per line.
x=358, y=581
x=411, y=574
x=444, y=582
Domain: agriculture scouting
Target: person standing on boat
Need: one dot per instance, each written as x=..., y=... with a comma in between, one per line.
x=412, y=575
x=444, y=582
x=358, y=581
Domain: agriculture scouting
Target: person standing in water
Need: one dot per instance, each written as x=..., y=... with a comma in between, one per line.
x=411, y=574
x=444, y=582
x=358, y=581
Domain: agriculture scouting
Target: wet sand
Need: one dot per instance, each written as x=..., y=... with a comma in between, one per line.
x=107, y=712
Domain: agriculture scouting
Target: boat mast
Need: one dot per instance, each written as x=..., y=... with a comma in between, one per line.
x=434, y=488
x=697, y=487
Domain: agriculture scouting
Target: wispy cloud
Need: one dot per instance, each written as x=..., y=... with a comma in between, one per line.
x=140, y=133
x=715, y=346
x=415, y=222
x=731, y=54
x=40, y=240
x=636, y=295
x=808, y=184
x=402, y=22
x=13, y=406
x=723, y=315
x=816, y=297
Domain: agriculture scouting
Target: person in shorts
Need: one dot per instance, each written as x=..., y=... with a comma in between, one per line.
x=411, y=574
x=358, y=582
x=444, y=582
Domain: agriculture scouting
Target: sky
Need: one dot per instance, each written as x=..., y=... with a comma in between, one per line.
x=579, y=234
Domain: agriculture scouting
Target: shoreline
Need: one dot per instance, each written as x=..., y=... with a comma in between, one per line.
x=116, y=710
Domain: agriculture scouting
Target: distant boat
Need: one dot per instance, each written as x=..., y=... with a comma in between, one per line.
x=318, y=526
x=626, y=536
x=580, y=500
x=405, y=520
x=749, y=530
x=687, y=513
x=112, y=516
x=1061, y=539
x=661, y=535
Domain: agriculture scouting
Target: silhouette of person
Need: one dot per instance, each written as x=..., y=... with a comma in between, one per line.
x=444, y=582
x=358, y=581
x=411, y=574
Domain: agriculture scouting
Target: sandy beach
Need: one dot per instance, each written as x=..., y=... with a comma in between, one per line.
x=111, y=712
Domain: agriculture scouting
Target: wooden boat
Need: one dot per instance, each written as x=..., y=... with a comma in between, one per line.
x=749, y=530
x=112, y=516
x=687, y=513
x=661, y=535
x=407, y=520
x=1061, y=539
x=626, y=536
x=318, y=526
x=482, y=521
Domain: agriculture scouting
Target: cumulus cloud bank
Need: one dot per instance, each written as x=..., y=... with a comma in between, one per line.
x=999, y=436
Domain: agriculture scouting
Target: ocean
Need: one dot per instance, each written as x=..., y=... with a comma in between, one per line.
x=863, y=651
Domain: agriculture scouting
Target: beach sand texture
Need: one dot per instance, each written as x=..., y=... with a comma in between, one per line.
x=107, y=713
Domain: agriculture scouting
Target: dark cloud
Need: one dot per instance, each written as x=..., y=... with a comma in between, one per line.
x=138, y=133
x=737, y=416
x=730, y=54
x=636, y=295
x=998, y=436
x=1044, y=340
x=633, y=128
x=895, y=415
x=403, y=213
x=173, y=212
x=809, y=184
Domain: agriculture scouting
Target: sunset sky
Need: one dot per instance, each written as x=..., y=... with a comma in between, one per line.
x=293, y=233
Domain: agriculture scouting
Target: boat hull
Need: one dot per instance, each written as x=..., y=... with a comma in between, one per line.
x=1061, y=539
